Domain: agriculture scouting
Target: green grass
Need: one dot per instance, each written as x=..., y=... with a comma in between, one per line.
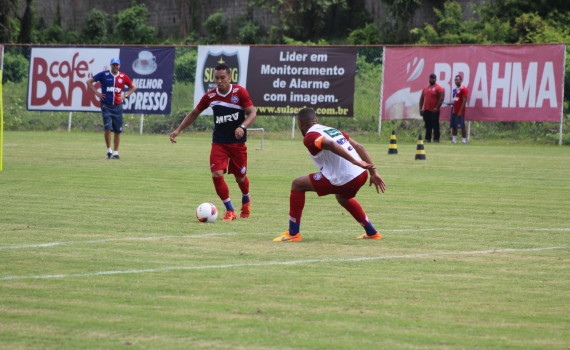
x=99, y=254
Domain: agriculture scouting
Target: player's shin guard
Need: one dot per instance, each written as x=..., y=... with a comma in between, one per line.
x=296, y=205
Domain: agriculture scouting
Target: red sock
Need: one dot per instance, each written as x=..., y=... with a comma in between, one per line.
x=296, y=205
x=356, y=211
x=221, y=187
x=244, y=185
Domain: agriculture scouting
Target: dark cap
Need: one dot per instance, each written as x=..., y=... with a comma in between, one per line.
x=432, y=75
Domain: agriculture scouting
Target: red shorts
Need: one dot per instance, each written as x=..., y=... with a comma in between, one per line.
x=229, y=157
x=323, y=186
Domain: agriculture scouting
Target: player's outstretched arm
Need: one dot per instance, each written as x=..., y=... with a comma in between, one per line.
x=189, y=119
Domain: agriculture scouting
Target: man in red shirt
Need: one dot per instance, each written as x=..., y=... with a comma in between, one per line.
x=457, y=121
x=430, y=102
x=233, y=113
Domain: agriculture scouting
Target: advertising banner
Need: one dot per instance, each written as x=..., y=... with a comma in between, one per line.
x=236, y=57
x=281, y=80
x=58, y=78
x=506, y=83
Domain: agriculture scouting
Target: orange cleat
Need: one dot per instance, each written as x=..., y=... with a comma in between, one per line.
x=286, y=237
x=377, y=235
x=245, y=210
x=230, y=215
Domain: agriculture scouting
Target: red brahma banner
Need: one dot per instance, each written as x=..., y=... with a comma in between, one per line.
x=506, y=83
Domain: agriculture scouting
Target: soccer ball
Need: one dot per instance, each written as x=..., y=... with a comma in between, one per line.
x=207, y=212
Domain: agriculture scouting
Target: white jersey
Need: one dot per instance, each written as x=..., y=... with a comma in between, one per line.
x=335, y=168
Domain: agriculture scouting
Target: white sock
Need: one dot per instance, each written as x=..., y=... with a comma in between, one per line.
x=109, y=150
x=464, y=140
x=115, y=153
x=454, y=138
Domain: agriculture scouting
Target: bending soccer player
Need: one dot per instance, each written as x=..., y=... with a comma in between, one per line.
x=343, y=163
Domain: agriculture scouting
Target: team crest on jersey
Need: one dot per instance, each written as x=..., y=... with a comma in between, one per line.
x=234, y=99
x=213, y=59
x=317, y=176
x=120, y=80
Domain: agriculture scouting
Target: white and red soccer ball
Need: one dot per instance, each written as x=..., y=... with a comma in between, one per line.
x=207, y=212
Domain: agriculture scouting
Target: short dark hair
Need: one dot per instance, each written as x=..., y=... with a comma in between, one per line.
x=459, y=76
x=223, y=66
x=307, y=115
x=432, y=75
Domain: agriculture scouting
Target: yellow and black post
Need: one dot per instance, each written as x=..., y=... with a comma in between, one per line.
x=420, y=151
x=393, y=148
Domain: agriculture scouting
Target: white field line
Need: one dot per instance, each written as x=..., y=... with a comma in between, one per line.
x=272, y=263
x=54, y=244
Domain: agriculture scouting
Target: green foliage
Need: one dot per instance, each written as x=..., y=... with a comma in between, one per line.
x=313, y=20
x=9, y=25
x=291, y=41
x=97, y=28
x=185, y=65
x=402, y=11
x=511, y=9
x=367, y=35
x=56, y=35
x=250, y=33
x=131, y=26
x=15, y=68
x=27, y=25
x=493, y=27
x=217, y=28
x=451, y=28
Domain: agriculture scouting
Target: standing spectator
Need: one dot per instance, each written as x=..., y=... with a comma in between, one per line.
x=343, y=163
x=457, y=121
x=430, y=102
x=233, y=113
x=112, y=96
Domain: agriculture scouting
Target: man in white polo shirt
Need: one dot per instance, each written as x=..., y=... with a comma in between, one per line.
x=343, y=163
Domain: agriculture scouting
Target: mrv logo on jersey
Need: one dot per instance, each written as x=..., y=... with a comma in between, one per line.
x=227, y=118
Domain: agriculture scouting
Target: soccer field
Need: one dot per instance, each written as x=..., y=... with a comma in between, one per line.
x=105, y=254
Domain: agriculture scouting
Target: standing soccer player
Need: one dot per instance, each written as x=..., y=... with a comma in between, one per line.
x=233, y=113
x=112, y=96
x=343, y=163
x=457, y=121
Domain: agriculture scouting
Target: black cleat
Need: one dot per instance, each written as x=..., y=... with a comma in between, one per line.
x=116, y=156
x=109, y=154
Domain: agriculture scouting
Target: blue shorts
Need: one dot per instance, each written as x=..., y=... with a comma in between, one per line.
x=112, y=117
x=457, y=121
